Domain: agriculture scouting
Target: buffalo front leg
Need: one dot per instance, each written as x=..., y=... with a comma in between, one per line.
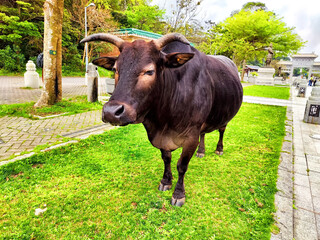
x=201, y=148
x=166, y=181
x=178, y=197
x=219, y=149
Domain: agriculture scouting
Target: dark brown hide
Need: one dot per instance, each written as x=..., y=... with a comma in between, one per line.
x=178, y=93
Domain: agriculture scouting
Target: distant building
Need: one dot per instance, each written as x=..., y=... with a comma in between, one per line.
x=251, y=68
x=301, y=60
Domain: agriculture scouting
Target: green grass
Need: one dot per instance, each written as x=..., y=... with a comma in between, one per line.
x=267, y=91
x=68, y=106
x=105, y=187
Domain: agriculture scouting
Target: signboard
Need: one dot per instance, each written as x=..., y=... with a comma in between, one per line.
x=53, y=52
x=314, y=110
x=302, y=90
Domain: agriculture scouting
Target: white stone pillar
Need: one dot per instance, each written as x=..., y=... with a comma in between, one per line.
x=291, y=74
x=92, y=87
x=309, y=73
x=31, y=77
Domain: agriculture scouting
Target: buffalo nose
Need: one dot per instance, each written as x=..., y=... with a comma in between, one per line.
x=112, y=113
x=118, y=113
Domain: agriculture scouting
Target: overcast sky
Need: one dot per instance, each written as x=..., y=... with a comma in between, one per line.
x=304, y=15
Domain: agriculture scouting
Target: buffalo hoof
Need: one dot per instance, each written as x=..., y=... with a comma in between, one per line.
x=200, y=155
x=178, y=202
x=163, y=187
x=219, y=152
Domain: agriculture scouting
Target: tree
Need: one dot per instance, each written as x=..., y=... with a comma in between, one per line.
x=183, y=17
x=251, y=6
x=247, y=34
x=254, y=6
x=22, y=28
x=99, y=19
x=145, y=17
x=20, y=34
x=52, y=53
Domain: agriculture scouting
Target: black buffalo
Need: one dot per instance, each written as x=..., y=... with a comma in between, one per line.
x=178, y=93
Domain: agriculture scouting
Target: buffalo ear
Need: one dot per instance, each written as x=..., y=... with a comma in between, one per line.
x=173, y=60
x=105, y=62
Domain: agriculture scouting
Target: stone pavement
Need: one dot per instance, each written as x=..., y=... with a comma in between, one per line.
x=18, y=135
x=306, y=157
x=298, y=198
x=12, y=89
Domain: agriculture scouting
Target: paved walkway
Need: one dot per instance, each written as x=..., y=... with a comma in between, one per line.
x=19, y=134
x=297, y=201
x=306, y=188
x=12, y=89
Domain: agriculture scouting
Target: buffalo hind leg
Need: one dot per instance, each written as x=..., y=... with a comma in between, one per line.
x=166, y=181
x=178, y=197
x=201, y=149
x=219, y=150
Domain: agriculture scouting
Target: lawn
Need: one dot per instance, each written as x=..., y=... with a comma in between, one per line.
x=77, y=104
x=105, y=187
x=267, y=91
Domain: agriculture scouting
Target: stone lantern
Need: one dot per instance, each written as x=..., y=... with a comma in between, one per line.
x=31, y=77
x=312, y=112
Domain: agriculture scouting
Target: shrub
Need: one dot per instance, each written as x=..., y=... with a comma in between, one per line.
x=71, y=60
x=254, y=74
x=12, y=60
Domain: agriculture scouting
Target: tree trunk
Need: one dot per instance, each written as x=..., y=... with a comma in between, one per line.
x=52, y=53
x=244, y=63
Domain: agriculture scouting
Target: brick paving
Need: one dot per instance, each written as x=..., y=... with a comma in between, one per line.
x=19, y=134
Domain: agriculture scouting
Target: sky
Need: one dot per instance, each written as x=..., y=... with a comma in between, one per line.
x=304, y=15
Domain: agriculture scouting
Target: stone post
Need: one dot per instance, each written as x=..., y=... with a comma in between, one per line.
x=110, y=82
x=31, y=77
x=92, y=87
x=312, y=111
x=291, y=73
x=302, y=89
x=309, y=73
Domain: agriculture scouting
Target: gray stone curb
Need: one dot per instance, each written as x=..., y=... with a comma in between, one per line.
x=284, y=196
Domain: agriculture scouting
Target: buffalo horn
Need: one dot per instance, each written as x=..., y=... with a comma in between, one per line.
x=104, y=37
x=161, y=42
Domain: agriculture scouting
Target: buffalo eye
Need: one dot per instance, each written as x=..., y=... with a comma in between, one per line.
x=150, y=72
